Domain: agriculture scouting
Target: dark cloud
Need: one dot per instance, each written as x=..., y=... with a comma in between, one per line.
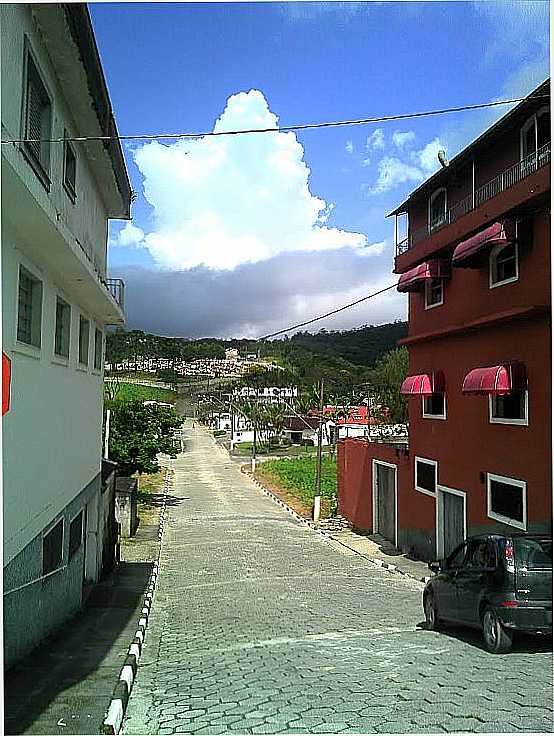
x=262, y=297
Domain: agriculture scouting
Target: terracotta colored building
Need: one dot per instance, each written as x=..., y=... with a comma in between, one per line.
x=473, y=255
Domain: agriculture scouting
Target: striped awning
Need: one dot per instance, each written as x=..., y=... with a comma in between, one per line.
x=416, y=277
x=500, y=233
x=496, y=379
x=423, y=384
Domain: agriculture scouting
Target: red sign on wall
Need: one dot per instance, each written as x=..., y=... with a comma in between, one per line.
x=6, y=380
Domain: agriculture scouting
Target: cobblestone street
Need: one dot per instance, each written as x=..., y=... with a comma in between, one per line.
x=260, y=625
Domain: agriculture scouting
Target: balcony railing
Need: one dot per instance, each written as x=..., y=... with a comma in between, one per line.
x=116, y=288
x=493, y=188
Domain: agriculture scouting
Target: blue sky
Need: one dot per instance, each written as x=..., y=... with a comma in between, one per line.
x=244, y=237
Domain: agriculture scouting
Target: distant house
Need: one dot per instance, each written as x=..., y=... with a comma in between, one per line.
x=301, y=430
x=57, y=199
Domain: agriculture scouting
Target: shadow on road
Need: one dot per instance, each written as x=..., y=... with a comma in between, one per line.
x=523, y=643
x=65, y=685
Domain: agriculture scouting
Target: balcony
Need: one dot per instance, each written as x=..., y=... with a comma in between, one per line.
x=116, y=287
x=501, y=183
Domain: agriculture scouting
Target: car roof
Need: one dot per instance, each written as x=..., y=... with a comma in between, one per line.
x=511, y=535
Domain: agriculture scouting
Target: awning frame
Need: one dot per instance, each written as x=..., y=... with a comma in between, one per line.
x=496, y=380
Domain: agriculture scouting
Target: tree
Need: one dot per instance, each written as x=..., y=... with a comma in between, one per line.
x=386, y=380
x=138, y=433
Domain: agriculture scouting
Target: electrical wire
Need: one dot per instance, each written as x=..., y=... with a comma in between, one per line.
x=328, y=314
x=284, y=129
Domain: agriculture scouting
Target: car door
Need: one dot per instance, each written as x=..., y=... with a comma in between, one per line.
x=473, y=577
x=445, y=584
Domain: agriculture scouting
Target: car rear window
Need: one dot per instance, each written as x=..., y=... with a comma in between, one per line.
x=533, y=554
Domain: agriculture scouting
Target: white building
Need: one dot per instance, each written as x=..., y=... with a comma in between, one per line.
x=57, y=199
x=231, y=354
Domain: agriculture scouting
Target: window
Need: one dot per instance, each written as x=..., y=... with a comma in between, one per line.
x=533, y=554
x=98, y=350
x=63, y=327
x=84, y=326
x=434, y=406
x=52, y=548
x=38, y=121
x=506, y=500
x=481, y=555
x=437, y=209
x=29, y=308
x=75, y=534
x=503, y=265
x=433, y=293
x=69, y=168
x=426, y=476
x=509, y=409
x=456, y=559
x=535, y=133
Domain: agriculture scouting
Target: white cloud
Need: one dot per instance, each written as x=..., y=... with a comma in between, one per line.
x=393, y=171
x=349, y=147
x=221, y=202
x=130, y=235
x=401, y=139
x=427, y=157
x=376, y=140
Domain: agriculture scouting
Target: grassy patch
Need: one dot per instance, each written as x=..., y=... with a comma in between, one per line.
x=149, y=496
x=130, y=391
x=295, y=479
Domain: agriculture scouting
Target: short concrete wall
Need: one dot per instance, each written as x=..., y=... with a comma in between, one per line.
x=126, y=505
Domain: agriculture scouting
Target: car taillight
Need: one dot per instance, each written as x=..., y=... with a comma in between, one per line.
x=509, y=604
x=509, y=556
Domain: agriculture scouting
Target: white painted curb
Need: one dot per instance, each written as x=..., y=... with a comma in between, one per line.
x=120, y=698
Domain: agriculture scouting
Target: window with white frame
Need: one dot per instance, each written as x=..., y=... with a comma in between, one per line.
x=37, y=121
x=434, y=293
x=29, y=308
x=512, y=408
x=84, y=329
x=507, y=500
x=63, y=328
x=98, y=344
x=75, y=534
x=52, y=548
x=426, y=475
x=434, y=406
x=535, y=133
x=504, y=265
x=69, y=169
x=437, y=208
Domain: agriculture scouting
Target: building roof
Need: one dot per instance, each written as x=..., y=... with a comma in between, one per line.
x=512, y=118
x=297, y=424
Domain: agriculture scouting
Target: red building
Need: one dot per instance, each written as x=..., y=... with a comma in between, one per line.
x=474, y=260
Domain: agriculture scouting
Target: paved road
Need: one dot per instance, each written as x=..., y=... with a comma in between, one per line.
x=260, y=626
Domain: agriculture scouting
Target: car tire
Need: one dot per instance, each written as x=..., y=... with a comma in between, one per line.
x=498, y=640
x=432, y=620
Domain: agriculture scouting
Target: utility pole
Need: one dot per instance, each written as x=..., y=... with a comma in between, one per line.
x=317, y=496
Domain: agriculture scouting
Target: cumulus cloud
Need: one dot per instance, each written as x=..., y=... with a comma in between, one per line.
x=349, y=147
x=401, y=139
x=224, y=201
x=376, y=140
x=130, y=235
x=260, y=298
x=393, y=171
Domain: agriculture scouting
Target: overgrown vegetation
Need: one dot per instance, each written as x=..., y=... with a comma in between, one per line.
x=136, y=392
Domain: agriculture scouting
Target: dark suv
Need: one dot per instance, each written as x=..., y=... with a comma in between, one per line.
x=500, y=584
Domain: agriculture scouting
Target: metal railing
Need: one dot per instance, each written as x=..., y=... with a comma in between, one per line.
x=508, y=178
x=116, y=287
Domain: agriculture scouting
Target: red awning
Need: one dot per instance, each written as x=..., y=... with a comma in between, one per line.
x=496, y=379
x=500, y=233
x=423, y=384
x=415, y=278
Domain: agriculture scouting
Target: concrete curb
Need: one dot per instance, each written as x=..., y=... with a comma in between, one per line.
x=329, y=537
x=118, y=704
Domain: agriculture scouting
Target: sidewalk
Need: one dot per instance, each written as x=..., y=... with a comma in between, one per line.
x=65, y=685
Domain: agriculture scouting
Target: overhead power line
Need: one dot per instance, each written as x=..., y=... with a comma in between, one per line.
x=328, y=314
x=284, y=129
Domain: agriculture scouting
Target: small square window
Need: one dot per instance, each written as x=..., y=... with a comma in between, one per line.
x=434, y=406
x=38, y=121
x=426, y=476
x=75, y=534
x=63, y=327
x=84, y=328
x=98, y=344
x=507, y=500
x=504, y=265
x=69, y=169
x=52, y=548
x=433, y=293
x=511, y=408
x=437, y=209
x=29, y=308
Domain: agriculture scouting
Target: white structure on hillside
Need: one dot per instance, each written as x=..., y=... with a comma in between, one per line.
x=57, y=199
x=231, y=354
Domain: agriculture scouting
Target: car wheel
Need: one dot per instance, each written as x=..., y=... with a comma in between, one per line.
x=498, y=640
x=431, y=615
